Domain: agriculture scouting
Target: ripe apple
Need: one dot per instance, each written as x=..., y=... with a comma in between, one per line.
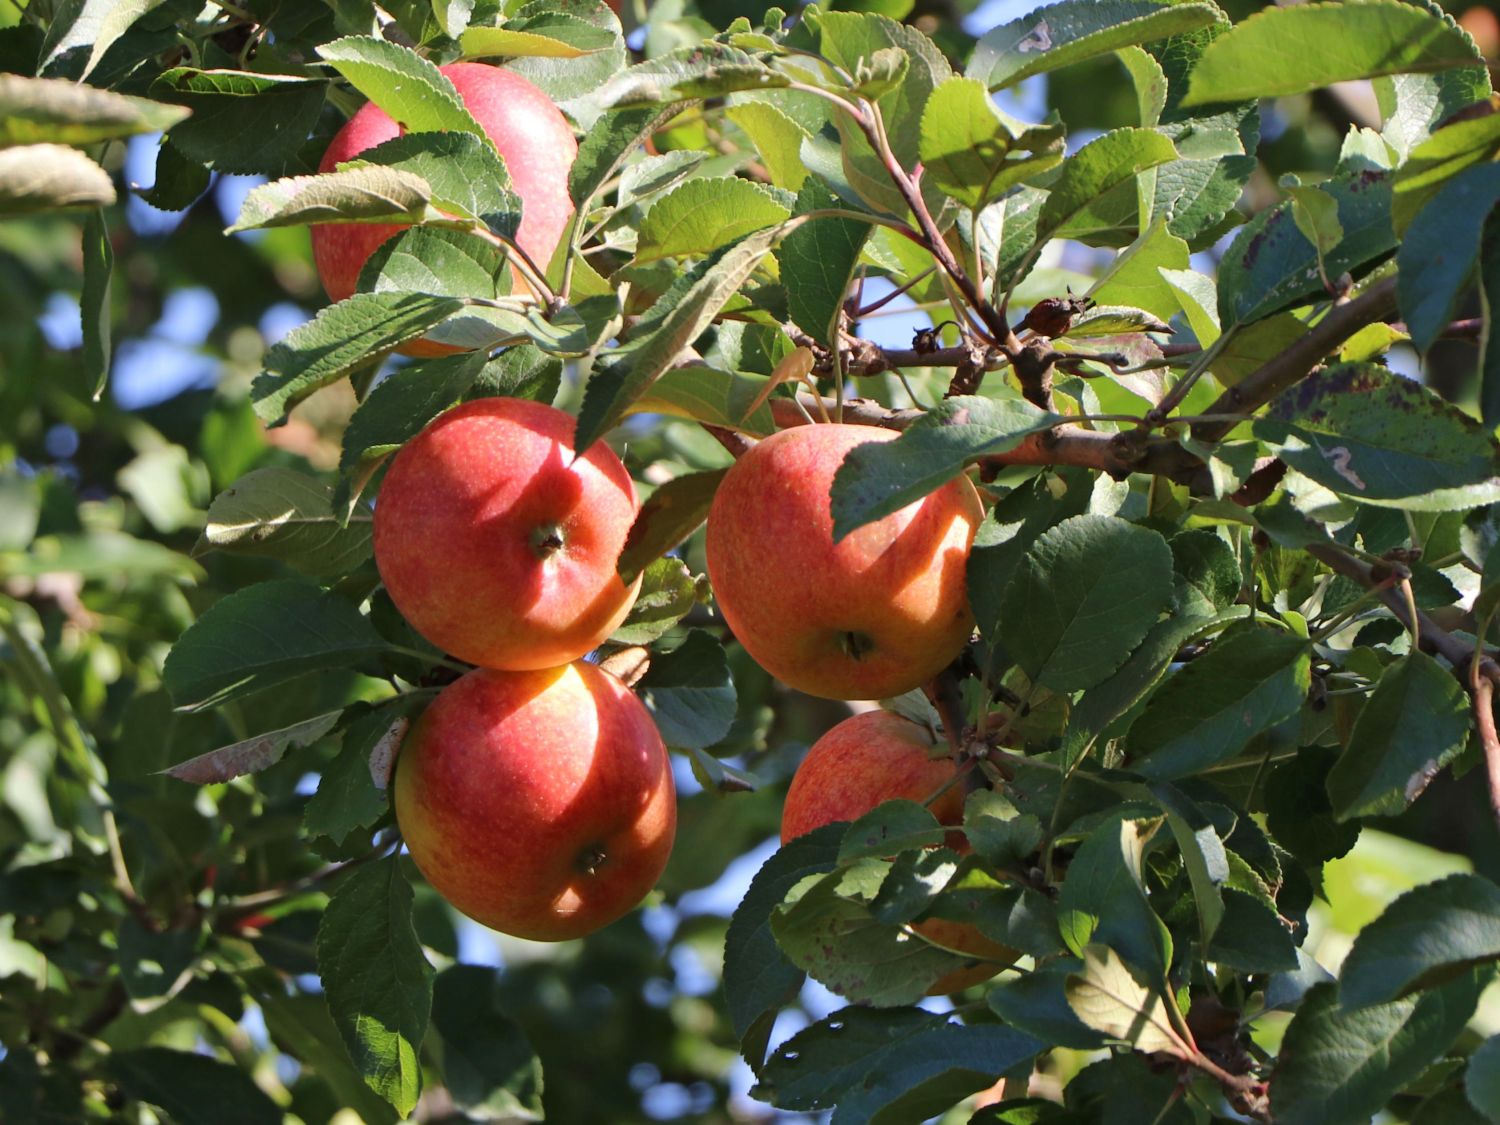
x=529, y=131
x=538, y=803
x=880, y=756
x=872, y=616
x=498, y=543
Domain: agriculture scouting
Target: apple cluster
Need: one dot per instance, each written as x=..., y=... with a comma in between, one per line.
x=535, y=793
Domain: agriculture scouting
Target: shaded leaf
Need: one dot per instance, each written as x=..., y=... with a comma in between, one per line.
x=252, y=754
x=283, y=514
x=192, y=1087
x=689, y=693
x=673, y=512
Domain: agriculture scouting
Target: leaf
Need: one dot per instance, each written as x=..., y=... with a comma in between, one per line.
x=1209, y=566
x=263, y=635
x=92, y=24
x=402, y=83
x=94, y=304
x=706, y=394
x=1339, y=1068
x=1316, y=214
x=890, y=827
x=155, y=965
x=668, y=592
x=704, y=70
x=359, y=195
x=1271, y=265
x=677, y=319
x=1299, y=813
x=1428, y=935
x=488, y=1063
x=1489, y=341
x=702, y=215
x=347, y=799
x=283, y=514
x=51, y=110
x=1086, y=594
x=974, y=151
x=1415, y=722
x=179, y=182
x=376, y=978
x=548, y=35
x=1203, y=856
x=1095, y=169
x=1252, y=937
x=242, y=122
x=1058, y=35
x=1103, y=901
x=817, y=262
x=253, y=754
x=777, y=137
x=886, y=1067
x=689, y=693
x=674, y=511
x=1109, y=996
x=1281, y=51
x=51, y=178
x=758, y=977
x=1249, y=681
x=1482, y=1081
x=1364, y=433
x=1036, y=1003
x=191, y=1087
x=1437, y=255
x=878, y=478
x=463, y=173
x=1433, y=163
x=341, y=338
x=605, y=147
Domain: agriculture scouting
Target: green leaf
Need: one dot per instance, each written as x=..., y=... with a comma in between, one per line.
x=1109, y=996
x=402, y=404
x=976, y=152
x=879, y=478
x=263, y=635
x=370, y=194
x=338, y=340
x=1489, y=341
x=702, y=215
x=155, y=966
x=890, y=827
x=1246, y=683
x=1415, y=722
x=605, y=147
x=886, y=1067
x=242, y=122
x=1103, y=902
x=192, y=1087
x=1280, y=51
x=1427, y=936
x=488, y=1063
x=1271, y=265
x=98, y=267
x=817, y=261
x=301, y=1026
x=1095, y=169
x=1086, y=594
x=777, y=138
x=711, y=396
x=94, y=25
x=250, y=755
x=1058, y=35
x=670, y=325
x=51, y=178
x=1339, y=1068
x=376, y=978
x=1299, y=813
x=576, y=85
x=1252, y=937
x=1036, y=1003
x=1482, y=1081
x=36, y=110
x=548, y=35
x=179, y=182
x=1316, y=214
x=758, y=977
x=463, y=174
x=402, y=83
x=704, y=70
x=673, y=512
x=649, y=176
x=347, y=799
x=283, y=514
x=1412, y=106
x=689, y=693
x=1439, y=250
x=1209, y=566
x=1436, y=160
x=1364, y=433
x=1203, y=856
x=668, y=592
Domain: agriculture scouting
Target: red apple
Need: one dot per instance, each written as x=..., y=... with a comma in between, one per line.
x=872, y=616
x=529, y=131
x=498, y=543
x=879, y=756
x=538, y=803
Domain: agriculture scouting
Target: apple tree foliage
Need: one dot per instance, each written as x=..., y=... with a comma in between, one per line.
x=1234, y=591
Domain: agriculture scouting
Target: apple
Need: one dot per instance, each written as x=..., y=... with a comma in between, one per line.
x=498, y=543
x=538, y=803
x=879, y=756
x=529, y=132
x=877, y=614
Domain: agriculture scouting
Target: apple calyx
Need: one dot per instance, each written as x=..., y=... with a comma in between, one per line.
x=856, y=645
x=547, y=540
x=592, y=858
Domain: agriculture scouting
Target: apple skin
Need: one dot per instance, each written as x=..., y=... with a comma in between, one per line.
x=529, y=131
x=879, y=756
x=540, y=804
x=497, y=545
x=879, y=613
